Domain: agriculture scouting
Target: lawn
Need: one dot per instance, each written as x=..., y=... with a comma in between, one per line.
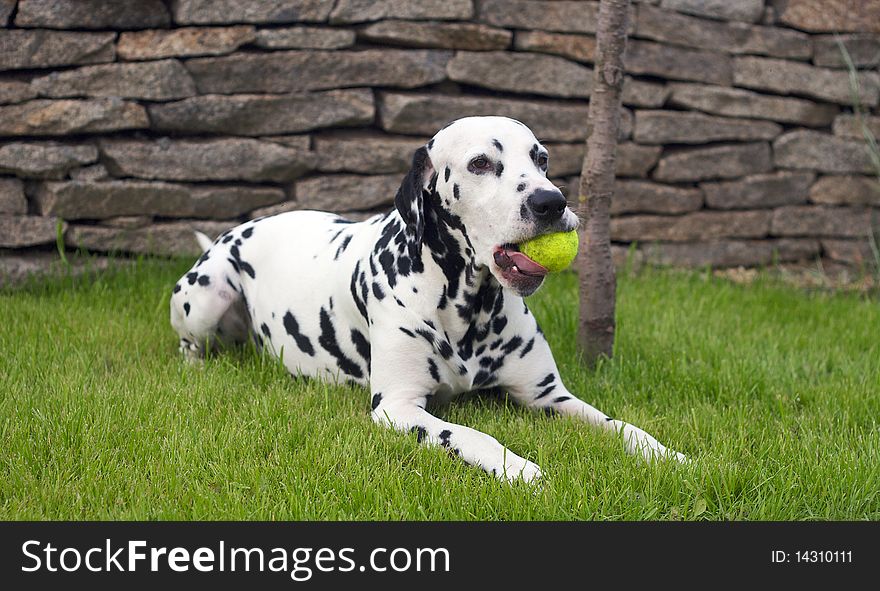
x=773, y=392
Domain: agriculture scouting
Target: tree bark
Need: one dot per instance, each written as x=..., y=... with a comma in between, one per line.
x=594, y=264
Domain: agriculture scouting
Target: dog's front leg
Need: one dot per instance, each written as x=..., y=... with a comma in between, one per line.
x=401, y=383
x=405, y=413
x=536, y=384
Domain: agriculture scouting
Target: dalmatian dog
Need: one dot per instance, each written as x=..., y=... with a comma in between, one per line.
x=420, y=304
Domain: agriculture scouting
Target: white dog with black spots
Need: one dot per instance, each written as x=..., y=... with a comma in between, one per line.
x=422, y=303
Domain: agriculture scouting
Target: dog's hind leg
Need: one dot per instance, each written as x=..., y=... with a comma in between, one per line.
x=207, y=308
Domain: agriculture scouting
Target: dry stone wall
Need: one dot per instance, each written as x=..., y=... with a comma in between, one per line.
x=125, y=124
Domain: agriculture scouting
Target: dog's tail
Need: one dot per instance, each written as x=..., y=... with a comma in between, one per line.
x=203, y=241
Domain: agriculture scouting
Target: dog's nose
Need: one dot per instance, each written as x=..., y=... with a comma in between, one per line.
x=547, y=205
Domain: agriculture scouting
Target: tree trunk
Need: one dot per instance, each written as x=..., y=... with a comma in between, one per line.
x=594, y=264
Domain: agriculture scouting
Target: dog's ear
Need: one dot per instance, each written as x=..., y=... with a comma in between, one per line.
x=410, y=199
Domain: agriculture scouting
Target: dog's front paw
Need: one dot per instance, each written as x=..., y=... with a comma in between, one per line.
x=520, y=469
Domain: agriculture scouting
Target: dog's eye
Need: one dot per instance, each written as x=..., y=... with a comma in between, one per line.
x=479, y=164
x=542, y=161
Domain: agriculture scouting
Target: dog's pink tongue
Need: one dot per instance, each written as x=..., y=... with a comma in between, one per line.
x=526, y=265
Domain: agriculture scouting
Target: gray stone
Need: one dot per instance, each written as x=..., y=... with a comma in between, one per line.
x=714, y=162
x=829, y=16
x=863, y=49
x=749, y=11
x=846, y=190
x=91, y=14
x=44, y=160
x=731, y=253
x=647, y=57
x=737, y=102
x=820, y=221
x=786, y=77
x=425, y=114
x=303, y=143
x=19, y=231
x=165, y=239
x=358, y=11
x=12, y=199
x=265, y=114
x=305, y=38
x=522, y=73
x=15, y=91
x=632, y=160
x=64, y=117
x=6, y=8
x=739, y=38
x=16, y=269
x=806, y=149
x=638, y=93
x=759, y=191
x=297, y=71
x=74, y=200
x=204, y=12
x=580, y=48
x=365, y=153
x=155, y=81
x=700, y=225
x=204, y=160
x=680, y=127
x=474, y=37
x=344, y=192
x=44, y=49
x=189, y=41
x=128, y=221
x=646, y=197
x=853, y=252
x=566, y=16
x=849, y=125
x=95, y=172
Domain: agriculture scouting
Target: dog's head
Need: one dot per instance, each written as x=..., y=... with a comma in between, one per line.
x=489, y=176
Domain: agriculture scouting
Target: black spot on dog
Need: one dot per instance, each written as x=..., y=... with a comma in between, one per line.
x=422, y=433
x=456, y=192
x=264, y=328
x=547, y=380
x=186, y=308
x=527, y=348
x=482, y=378
x=302, y=341
x=521, y=187
x=327, y=340
x=378, y=292
x=608, y=419
x=248, y=269
x=377, y=400
x=407, y=332
x=498, y=324
x=386, y=260
x=228, y=239
x=204, y=280
x=361, y=345
x=445, y=435
x=561, y=399
x=205, y=256
x=447, y=173
x=431, y=143
x=176, y=288
x=498, y=145
x=499, y=169
x=533, y=153
x=247, y=233
x=342, y=247
x=432, y=369
x=511, y=345
x=192, y=277
x=547, y=391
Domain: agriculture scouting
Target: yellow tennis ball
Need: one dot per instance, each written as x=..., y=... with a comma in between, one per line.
x=554, y=252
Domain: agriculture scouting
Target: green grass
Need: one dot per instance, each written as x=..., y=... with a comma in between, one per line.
x=772, y=391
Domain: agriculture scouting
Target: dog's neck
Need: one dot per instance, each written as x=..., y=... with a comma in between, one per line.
x=469, y=288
